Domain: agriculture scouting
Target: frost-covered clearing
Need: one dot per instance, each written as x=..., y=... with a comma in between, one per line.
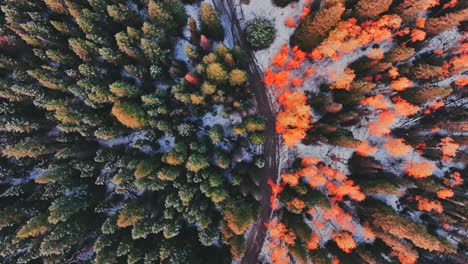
x=265, y=8
x=445, y=40
x=123, y=140
x=31, y=175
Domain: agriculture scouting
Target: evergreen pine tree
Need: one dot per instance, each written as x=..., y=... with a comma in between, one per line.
x=210, y=23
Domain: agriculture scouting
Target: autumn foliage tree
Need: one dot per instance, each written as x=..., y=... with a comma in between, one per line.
x=376, y=88
x=371, y=8
x=295, y=118
x=313, y=29
x=388, y=221
x=436, y=25
x=410, y=8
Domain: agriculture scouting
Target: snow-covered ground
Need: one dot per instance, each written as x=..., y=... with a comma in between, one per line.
x=130, y=138
x=444, y=41
x=210, y=119
x=31, y=175
x=166, y=143
x=265, y=8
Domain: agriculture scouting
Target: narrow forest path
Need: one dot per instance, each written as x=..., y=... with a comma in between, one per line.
x=271, y=146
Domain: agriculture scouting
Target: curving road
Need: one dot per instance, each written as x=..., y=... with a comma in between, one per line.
x=271, y=147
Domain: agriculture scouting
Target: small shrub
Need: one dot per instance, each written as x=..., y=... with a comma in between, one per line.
x=216, y=73
x=257, y=138
x=260, y=33
x=237, y=77
x=255, y=123
x=208, y=88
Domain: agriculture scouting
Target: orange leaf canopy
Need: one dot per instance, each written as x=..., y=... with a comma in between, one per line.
x=348, y=188
x=344, y=81
x=393, y=72
x=462, y=81
x=281, y=56
x=378, y=101
x=279, y=231
x=404, y=108
x=296, y=204
x=313, y=242
x=425, y=204
x=420, y=169
x=294, y=120
x=420, y=22
x=396, y=147
x=450, y=4
x=367, y=233
x=345, y=242
x=401, y=84
x=364, y=149
x=290, y=179
x=445, y=193
x=307, y=161
x=382, y=125
x=417, y=35
x=449, y=147
x=289, y=22
x=455, y=179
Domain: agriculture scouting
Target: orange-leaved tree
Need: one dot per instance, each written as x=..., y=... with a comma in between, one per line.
x=295, y=117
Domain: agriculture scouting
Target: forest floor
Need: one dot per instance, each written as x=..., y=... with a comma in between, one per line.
x=271, y=146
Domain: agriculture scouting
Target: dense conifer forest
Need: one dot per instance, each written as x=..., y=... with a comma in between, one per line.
x=226, y=131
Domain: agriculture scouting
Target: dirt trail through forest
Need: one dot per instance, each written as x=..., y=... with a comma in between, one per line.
x=254, y=243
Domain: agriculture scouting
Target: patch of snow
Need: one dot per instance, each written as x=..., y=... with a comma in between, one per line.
x=329, y=70
x=124, y=140
x=166, y=143
x=263, y=8
x=32, y=175
x=86, y=255
x=446, y=235
x=110, y=187
x=161, y=85
x=54, y=132
x=226, y=146
x=193, y=11
x=446, y=82
x=265, y=253
x=390, y=200
x=128, y=75
x=235, y=117
x=444, y=40
x=246, y=155
x=179, y=52
x=228, y=37
x=114, y=209
x=386, y=257
x=335, y=156
x=210, y=120
x=415, y=216
x=132, y=6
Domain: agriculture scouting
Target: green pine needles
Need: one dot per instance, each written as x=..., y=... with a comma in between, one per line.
x=260, y=33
